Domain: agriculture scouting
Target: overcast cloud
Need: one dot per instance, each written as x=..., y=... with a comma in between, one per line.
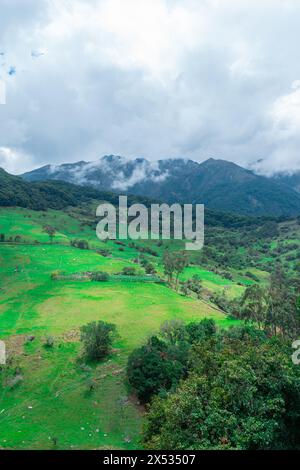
x=150, y=78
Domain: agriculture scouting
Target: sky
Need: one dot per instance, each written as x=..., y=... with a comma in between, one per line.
x=150, y=78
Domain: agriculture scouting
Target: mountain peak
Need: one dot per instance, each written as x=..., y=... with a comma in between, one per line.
x=217, y=183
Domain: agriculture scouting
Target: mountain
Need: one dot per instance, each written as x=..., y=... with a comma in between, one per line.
x=41, y=195
x=219, y=184
x=292, y=180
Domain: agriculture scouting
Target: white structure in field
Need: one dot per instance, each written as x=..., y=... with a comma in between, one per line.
x=2, y=353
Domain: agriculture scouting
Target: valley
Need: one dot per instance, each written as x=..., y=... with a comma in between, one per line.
x=51, y=400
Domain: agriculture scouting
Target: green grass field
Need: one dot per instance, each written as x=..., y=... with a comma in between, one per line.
x=52, y=405
x=52, y=402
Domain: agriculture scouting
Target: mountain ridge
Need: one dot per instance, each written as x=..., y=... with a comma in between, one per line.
x=217, y=183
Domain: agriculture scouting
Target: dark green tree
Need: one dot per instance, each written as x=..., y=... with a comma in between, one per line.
x=242, y=392
x=50, y=232
x=97, y=339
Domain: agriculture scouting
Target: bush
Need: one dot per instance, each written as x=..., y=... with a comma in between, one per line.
x=129, y=271
x=100, y=276
x=97, y=339
x=49, y=342
x=13, y=382
x=241, y=393
x=56, y=274
x=154, y=368
x=81, y=244
x=104, y=252
x=159, y=365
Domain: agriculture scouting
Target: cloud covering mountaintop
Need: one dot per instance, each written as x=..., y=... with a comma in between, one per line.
x=157, y=78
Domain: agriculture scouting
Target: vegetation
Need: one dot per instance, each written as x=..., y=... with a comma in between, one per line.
x=218, y=184
x=174, y=264
x=158, y=366
x=50, y=232
x=97, y=339
x=242, y=392
x=274, y=308
x=247, y=275
x=52, y=381
x=14, y=191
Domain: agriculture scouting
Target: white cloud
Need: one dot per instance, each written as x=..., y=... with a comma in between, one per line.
x=158, y=78
x=284, y=133
x=15, y=161
x=286, y=114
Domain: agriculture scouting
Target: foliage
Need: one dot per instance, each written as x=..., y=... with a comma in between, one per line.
x=99, y=276
x=174, y=264
x=158, y=366
x=97, y=339
x=272, y=308
x=129, y=271
x=49, y=342
x=82, y=244
x=50, y=231
x=192, y=285
x=242, y=392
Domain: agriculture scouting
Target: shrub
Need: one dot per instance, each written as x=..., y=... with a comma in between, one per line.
x=129, y=271
x=104, y=252
x=55, y=275
x=241, y=393
x=154, y=368
x=81, y=244
x=100, y=276
x=97, y=339
x=158, y=366
x=49, y=342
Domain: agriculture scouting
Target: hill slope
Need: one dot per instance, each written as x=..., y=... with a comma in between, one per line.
x=218, y=184
x=14, y=191
x=291, y=180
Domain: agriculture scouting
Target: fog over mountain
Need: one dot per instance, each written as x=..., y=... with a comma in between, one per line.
x=218, y=184
x=160, y=79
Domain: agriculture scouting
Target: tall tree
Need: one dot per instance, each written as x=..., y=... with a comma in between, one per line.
x=254, y=305
x=50, y=231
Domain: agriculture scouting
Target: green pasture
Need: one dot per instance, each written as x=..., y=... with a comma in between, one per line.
x=52, y=406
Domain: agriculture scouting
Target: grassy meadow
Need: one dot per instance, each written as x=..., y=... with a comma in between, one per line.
x=52, y=405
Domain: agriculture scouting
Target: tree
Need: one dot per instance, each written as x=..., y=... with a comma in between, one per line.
x=272, y=308
x=100, y=276
x=282, y=314
x=129, y=271
x=50, y=231
x=154, y=368
x=169, y=266
x=174, y=264
x=83, y=244
x=148, y=266
x=180, y=263
x=200, y=331
x=173, y=331
x=242, y=392
x=159, y=365
x=192, y=285
x=97, y=338
x=254, y=305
